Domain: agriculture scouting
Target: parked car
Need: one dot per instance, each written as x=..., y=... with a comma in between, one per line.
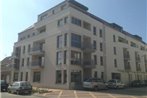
x=115, y=83
x=94, y=83
x=137, y=83
x=145, y=82
x=4, y=85
x=20, y=87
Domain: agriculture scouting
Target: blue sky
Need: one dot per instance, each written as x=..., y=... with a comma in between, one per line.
x=16, y=15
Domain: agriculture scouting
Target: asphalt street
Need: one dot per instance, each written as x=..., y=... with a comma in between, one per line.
x=111, y=93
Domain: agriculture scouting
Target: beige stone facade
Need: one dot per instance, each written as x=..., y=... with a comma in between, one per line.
x=68, y=44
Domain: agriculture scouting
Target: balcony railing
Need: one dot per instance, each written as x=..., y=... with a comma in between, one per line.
x=88, y=48
x=37, y=51
x=88, y=64
x=37, y=64
x=16, y=55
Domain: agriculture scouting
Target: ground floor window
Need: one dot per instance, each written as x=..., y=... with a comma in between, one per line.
x=95, y=74
x=65, y=76
x=15, y=77
x=37, y=76
x=102, y=75
x=26, y=76
x=58, y=76
x=76, y=76
x=21, y=76
x=116, y=76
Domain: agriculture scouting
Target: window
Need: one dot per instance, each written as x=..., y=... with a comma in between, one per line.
x=63, y=6
x=59, y=58
x=75, y=57
x=65, y=20
x=60, y=22
x=76, y=21
x=101, y=33
x=53, y=12
x=43, y=16
x=115, y=63
x=86, y=25
x=133, y=44
x=101, y=60
x=114, y=50
x=37, y=76
x=23, y=49
x=65, y=39
x=28, y=61
x=28, y=36
x=94, y=44
x=102, y=75
x=75, y=40
x=22, y=62
x=29, y=48
x=95, y=74
x=58, y=76
x=122, y=40
x=15, y=78
x=101, y=46
x=42, y=29
x=114, y=40
x=21, y=76
x=116, y=76
x=59, y=41
x=26, y=76
x=94, y=30
x=65, y=76
x=65, y=56
x=95, y=59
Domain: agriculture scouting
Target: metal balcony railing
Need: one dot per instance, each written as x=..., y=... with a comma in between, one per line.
x=37, y=63
x=88, y=64
x=88, y=47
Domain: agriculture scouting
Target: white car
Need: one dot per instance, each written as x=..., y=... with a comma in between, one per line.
x=94, y=83
x=115, y=83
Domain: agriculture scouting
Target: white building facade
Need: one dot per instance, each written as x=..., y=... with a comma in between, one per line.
x=68, y=44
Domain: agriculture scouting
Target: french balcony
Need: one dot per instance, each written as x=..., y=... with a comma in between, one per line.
x=37, y=51
x=37, y=64
x=88, y=64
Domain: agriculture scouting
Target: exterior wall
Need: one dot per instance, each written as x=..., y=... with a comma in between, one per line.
x=48, y=72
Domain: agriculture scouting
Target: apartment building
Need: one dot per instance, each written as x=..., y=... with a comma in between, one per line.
x=68, y=44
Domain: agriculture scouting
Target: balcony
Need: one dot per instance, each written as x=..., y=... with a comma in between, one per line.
x=88, y=64
x=16, y=55
x=88, y=48
x=37, y=64
x=37, y=51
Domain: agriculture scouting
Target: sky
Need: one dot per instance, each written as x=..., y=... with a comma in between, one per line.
x=17, y=15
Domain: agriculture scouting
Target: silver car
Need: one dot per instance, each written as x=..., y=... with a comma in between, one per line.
x=20, y=87
x=115, y=83
x=94, y=83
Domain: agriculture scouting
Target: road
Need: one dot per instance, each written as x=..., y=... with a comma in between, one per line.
x=8, y=95
x=111, y=93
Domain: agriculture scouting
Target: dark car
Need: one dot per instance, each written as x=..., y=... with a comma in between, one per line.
x=145, y=82
x=20, y=87
x=137, y=83
x=4, y=85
